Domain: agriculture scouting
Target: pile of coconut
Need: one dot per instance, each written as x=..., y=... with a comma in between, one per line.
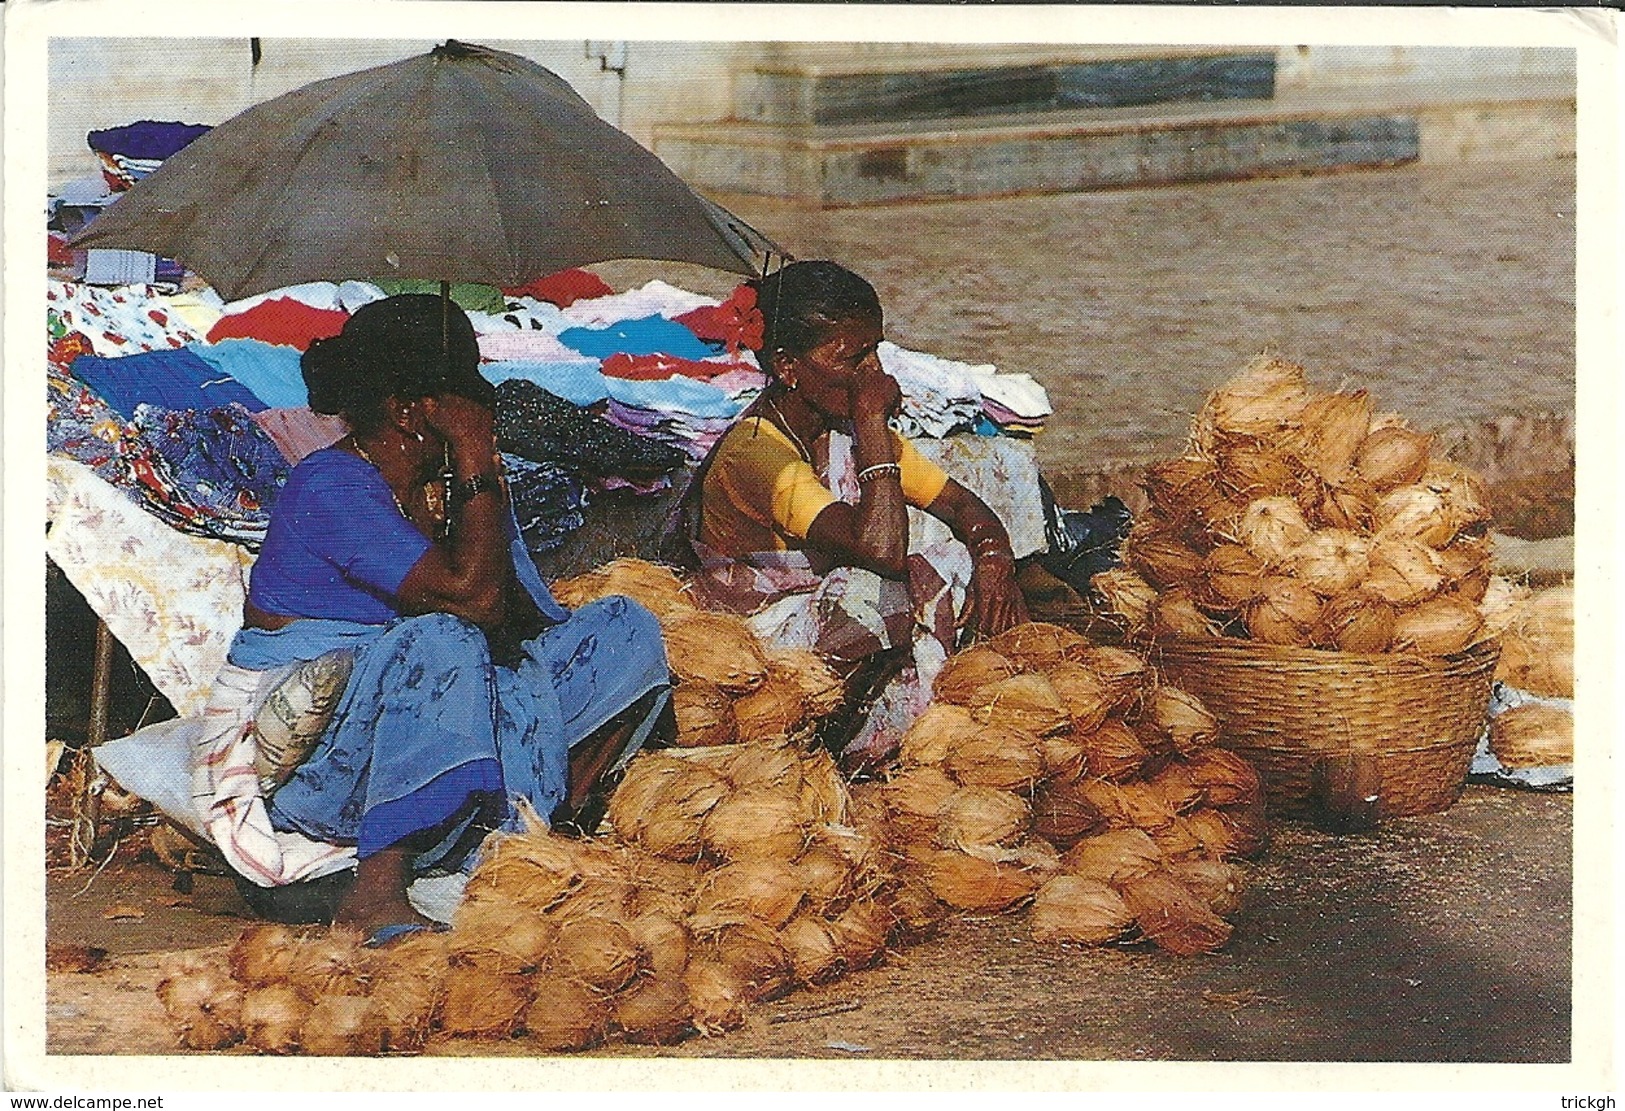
x=729, y=686
x=1537, y=659
x=1063, y=773
x=1304, y=518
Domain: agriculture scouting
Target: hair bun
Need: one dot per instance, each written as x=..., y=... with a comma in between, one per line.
x=329, y=377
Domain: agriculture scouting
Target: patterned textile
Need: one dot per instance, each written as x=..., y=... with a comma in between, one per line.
x=223, y=462
x=120, y=321
x=172, y=600
x=547, y=499
x=1003, y=472
x=297, y=432
x=295, y=716
x=544, y=428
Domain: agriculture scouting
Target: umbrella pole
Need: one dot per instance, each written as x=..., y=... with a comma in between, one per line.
x=445, y=318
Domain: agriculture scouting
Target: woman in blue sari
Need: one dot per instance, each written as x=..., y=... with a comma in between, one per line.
x=472, y=692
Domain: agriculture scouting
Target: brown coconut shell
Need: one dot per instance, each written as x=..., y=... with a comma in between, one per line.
x=1123, y=672
x=715, y=647
x=914, y=909
x=1176, y=616
x=1113, y=858
x=1332, y=429
x=1415, y=513
x=1231, y=577
x=969, y=671
x=1285, y=612
x=1392, y=456
x=1165, y=560
x=1404, y=572
x=1145, y=807
x=1172, y=918
x=1177, y=841
x=1216, y=883
x=705, y=715
x=824, y=797
x=971, y=883
x=1126, y=594
x=766, y=889
x=1224, y=778
x=664, y=942
x=201, y=1000
x=1175, y=485
x=1104, y=797
x=342, y=1026
x=1063, y=755
x=480, y=1003
x=1442, y=626
x=1062, y=815
x=936, y=733
x=717, y=997
x=914, y=795
x=1002, y=756
x=596, y=898
x=814, y=954
x=1025, y=702
x=405, y=1009
x=1271, y=528
x=529, y=869
x=1355, y=622
x=271, y=1017
x=500, y=936
x=982, y=816
x=653, y=586
x=1331, y=561
x=775, y=708
x=1250, y=469
x=1349, y=504
x=772, y=766
x=1177, y=789
x=1182, y=718
x=1537, y=637
x=1533, y=735
x=1038, y=645
x=752, y=952
x=672, y=826
x=1228, y=834
x=1113, y=752
x=600, y=952
x=826, y=877
x=1088, y=912
x=1267, y=396
x=1462, y=490
x=263, y=954
x=1502, y=607
x=566, y=1016
x=330, y=963
x=860, y=933
x=1086, y=696
x=821, y=689
x=654, y=1011
x=1466, y=564
x=758, y=821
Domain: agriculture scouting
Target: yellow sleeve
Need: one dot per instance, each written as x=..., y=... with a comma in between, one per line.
x=759, y=490
x=922, y=479
x=798, y=498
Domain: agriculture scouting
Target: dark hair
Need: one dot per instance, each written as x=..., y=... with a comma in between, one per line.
x=408, y=346
x=802, y=302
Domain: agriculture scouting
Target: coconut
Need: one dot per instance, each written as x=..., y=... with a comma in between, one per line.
x=1171, y=917
x=1333, y=426
x=652, y=901
x=1537, y=646
x=529, y=870
x=821, y=689
x=758, y=821
x=814, y=954
x=405, y=1007
x=1062, y=816
x=1349, y=504
x=1177, y=841
x=1182, y=718
x=1085, y=695
x=1415, y=513
x=329, y=964
x=202, y=1002
x=1331, y=561
x=1392, y=456
x=600, y=952
x=1442, y=627
x=1355, y=622
x=998, y=756
x=1227, y=834
x=936, y=733
x=705, y=715
x=914, y=795
x=500, y=936
x=656, y=588
x=826, y=877
x=753, y=953
x=716, y=647
x=1533, y=735
x=654, y=1011
x=1285, y=612
x=566, y=1015
x=763, y=888
x=717, y=996
x=762, y=765
x=1121, y=671
x=1403, y=571
x=480, y=1003
x=1126, y=594
x=1164, y=560
x=1037, y=645
x=1114, y=857
x=672, y=826
x=263, y=954
x=1105, y=798
x=1145, y=807
x=1461, y=490
x=1175, y=616
x=1069, y=908
x=663, y=940
x=271, y=1017
x=860, y=934
x=982, y=816
x=914, y=909
x=1025, y=702
x=1268, y=395
x=776, y=707
x=1178, y=790
x=1175, y=485
x=824, y=796
x=652, y=779
x=1113, y=752
x=1216, y=883
x=1466, y=564
x=1231, y=577
x=968, y=671
x=1271, y=528
x=1224, y=778
x=969, y=883
x=1502, y=607
x=596, y=897
x=1250, y=469
x=342, y=1026
x=1063, y=755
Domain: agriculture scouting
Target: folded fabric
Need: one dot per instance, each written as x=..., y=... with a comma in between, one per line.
x=653, y=368
x=199, y=308
x=170, y=379
x=267, y=370
x=578, y=382
x=646, y=335
x=741, y=380
x=547, y=501
x=529, y=345
x=222, y=460
x=121, y=320
x=470, y=296
x=280, y=320
x=656, y=298
x=940, y=396
x=107, y=266
x=1018, y=393
x=564, y=288
x=736, y=324
x=297, y=432
x=332, y=296
x=147, y=139
x=582, y=383
x=537, y=425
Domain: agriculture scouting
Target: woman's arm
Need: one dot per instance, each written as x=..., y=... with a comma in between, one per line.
x=995, y=601
x=466, y=576
x=874, y=533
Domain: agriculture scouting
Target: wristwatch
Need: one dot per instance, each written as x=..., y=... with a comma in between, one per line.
x=475, y=485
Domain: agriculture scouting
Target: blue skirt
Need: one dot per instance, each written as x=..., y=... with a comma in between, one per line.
x=429, y=728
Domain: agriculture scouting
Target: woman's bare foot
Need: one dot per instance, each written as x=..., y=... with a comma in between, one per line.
x=378, y=897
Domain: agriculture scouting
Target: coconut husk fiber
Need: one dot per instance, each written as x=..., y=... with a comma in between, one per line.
x=1172, y=918
x=1063, y=816
x=968, y=671
x=860, y=933
x=1176, y=616
x=766, y=889
x=914, y=795
x=1176, y=485
x=1331, y=561
x=600, y=952
x=1537, y=645
x=914, y=909
x=824, y=796
x=1231, y=577
x=1113, y=858
x=1216, y=883
x=1358, y=622
x=271, y=1017
x=821, y=688
x=998, y=755
x=480, y=1003
x=814, y=955
x=773, y=766
x=982, y=816
x=1349, y=504
x=1125, y=594
x=330, y=963
x=1087, y=912
x=936, y=733
x=500, y=935
x=1285, y=612
x=565, y=1016
x=705, y=715
x=1266, y=398
x=1163, y=558
x=1332, y=428
x=342, y=1026
x=654, y=1011
x=826, y=876
x=775, y=708
x=1038, y=645
x=1182, y=718
x=1224, y=778
x=1392, y=456
x=1533, y=735
x=1177, y=789
x=1250, y=469
x=971, y=883
x=1271, y=528
x=202, y=1001
x=1113, y=752
x=663, y=941
x=715, y=647
x=1122, y=671
x=752, y=951
x=1441, y=626
x=1087, y=697
x=1062, y=755
x=263, y=954
x=1416, y=513
x=656, y=588
x=758, y=821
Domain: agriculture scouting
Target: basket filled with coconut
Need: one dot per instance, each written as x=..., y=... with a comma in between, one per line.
x=1323, y=584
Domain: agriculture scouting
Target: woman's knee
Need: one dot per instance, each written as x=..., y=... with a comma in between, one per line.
x=439, y=632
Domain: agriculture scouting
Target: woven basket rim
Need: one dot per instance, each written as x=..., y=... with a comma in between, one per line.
x=1280, y=657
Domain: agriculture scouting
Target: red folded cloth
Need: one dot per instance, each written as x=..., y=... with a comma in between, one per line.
x=280, y=320
x=564, y=288
x=736, y=322
x=655, y=368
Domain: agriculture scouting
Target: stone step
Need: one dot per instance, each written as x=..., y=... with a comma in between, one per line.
x=820, y=94
x=835, y=165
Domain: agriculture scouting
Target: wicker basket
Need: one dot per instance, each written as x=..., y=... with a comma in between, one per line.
x=1288, y=709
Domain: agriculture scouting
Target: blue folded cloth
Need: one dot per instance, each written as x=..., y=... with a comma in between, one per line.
x=168, y=379
x=269, y=370
x=648, y=335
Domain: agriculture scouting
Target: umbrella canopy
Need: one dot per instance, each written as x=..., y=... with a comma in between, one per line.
x=463, y=163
